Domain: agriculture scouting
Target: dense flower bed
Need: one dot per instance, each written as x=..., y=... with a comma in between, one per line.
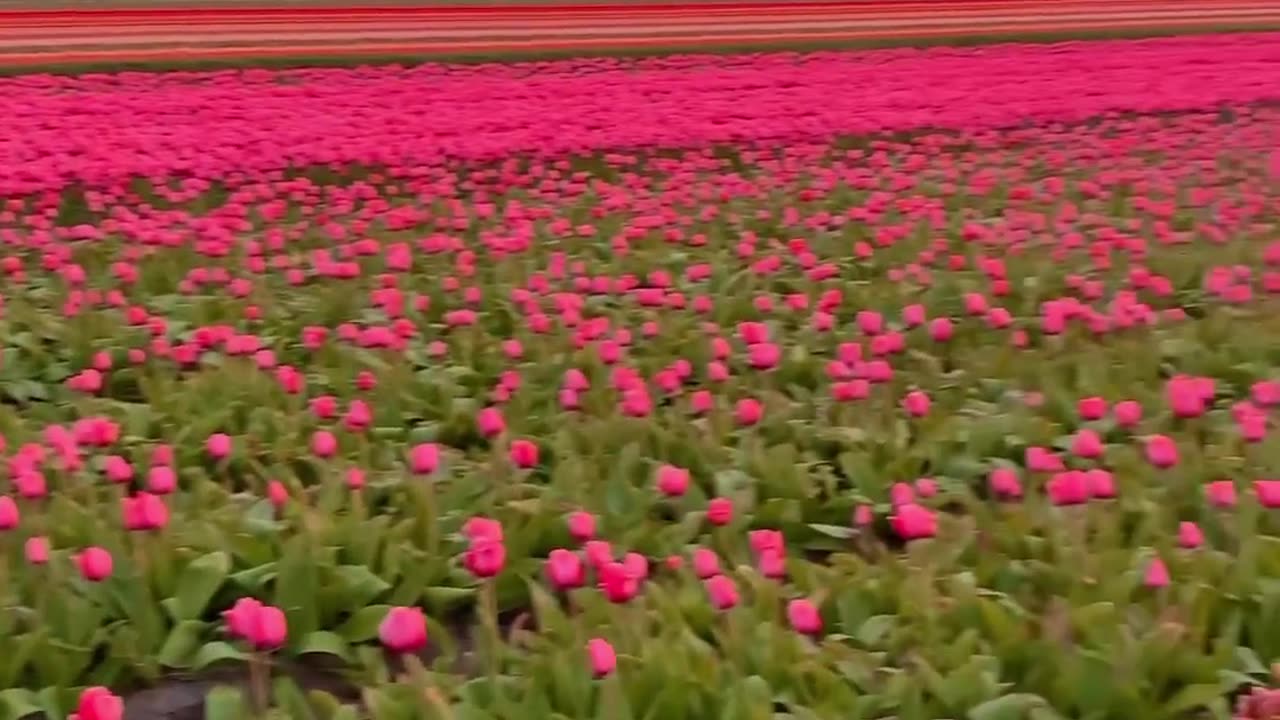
x=962, y=422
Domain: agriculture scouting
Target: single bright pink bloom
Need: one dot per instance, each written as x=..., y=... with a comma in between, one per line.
x=617, y=582
x=1221, y=493
x=485, y=558
x=1268, y=492
x=723, y=592
x=804, y=617
x=9, y=514
x=1161, y=451
x=602, y=657
x=1069, y=487
x=99, y=703
x=916, y=403
x=94, y=563
x=706, y=563
x=36, y=550
x=582, y=525
x=720, y=511
x=914, y=522
x=403, y=630
x=565, y=569
x=524, y=454
x=748, y=411
x=424, y=458
x=673, y=481
x=1189, y=535
x=490, y=422
x=1156, y=575
x=218, y=445
x=1091, y=408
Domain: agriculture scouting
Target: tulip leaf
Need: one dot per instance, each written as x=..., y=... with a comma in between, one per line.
x=199, y=581
x=17, y=703
x=1193, y=697
x=224, y=703
x=291, y=700
x=181, y=643
x=363, y=623
x=1007, y=707
x=836, y=531
x=440, y=599
x=296, y=586
x=345, y=712
x=874, y=628
x=360, y=584
x=326, y=643
x=215, y=652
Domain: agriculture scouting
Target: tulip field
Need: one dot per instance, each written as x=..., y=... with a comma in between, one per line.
x=906, y=384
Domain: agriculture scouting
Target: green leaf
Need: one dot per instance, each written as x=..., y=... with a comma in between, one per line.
x=182, y=641
x=874, y=628
x=835, y=531
x=360, y=584
x=440, y=600
x=224, y=703
x=1009, y=707
x=324, y=642
x=199, y=581
x=297, y=587
x=363, y=623
x=1192, y=697
x=16, y=703
x=290, y=699
x=215, y=652
x=346, y=712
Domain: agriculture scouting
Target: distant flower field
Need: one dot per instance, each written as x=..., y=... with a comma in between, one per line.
x=904, y=384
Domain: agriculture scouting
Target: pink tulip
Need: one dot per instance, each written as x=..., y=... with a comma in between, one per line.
x=36, y=550
x=94, y=563
x=582, y=525
x=705, y=563
x=1070, y=487
x=1156, y=575
x=403, y=630
x=482, y=528
x=1161, y=451
x=490, y=422
x=672, y=481
x=1221, y=493
x=913, y=522
x=524, y=454
x=323, y=444
x=1268, y=492
x=804, y=617
x=1128, y=414
x=720, y=511
x=9, y=515
x=277, y=494
x=218, y=446
x=1004, y=483
x=722, y=591
x=98, y=703
x=600, y=654
x=748, y=411
x=161, y=480
x=916, y=403
x=1189, y=535
x=1091, y=408
x=144, y=511
x=565, y=569
x=424, y=458
x=485, y=558
x=617, y=582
